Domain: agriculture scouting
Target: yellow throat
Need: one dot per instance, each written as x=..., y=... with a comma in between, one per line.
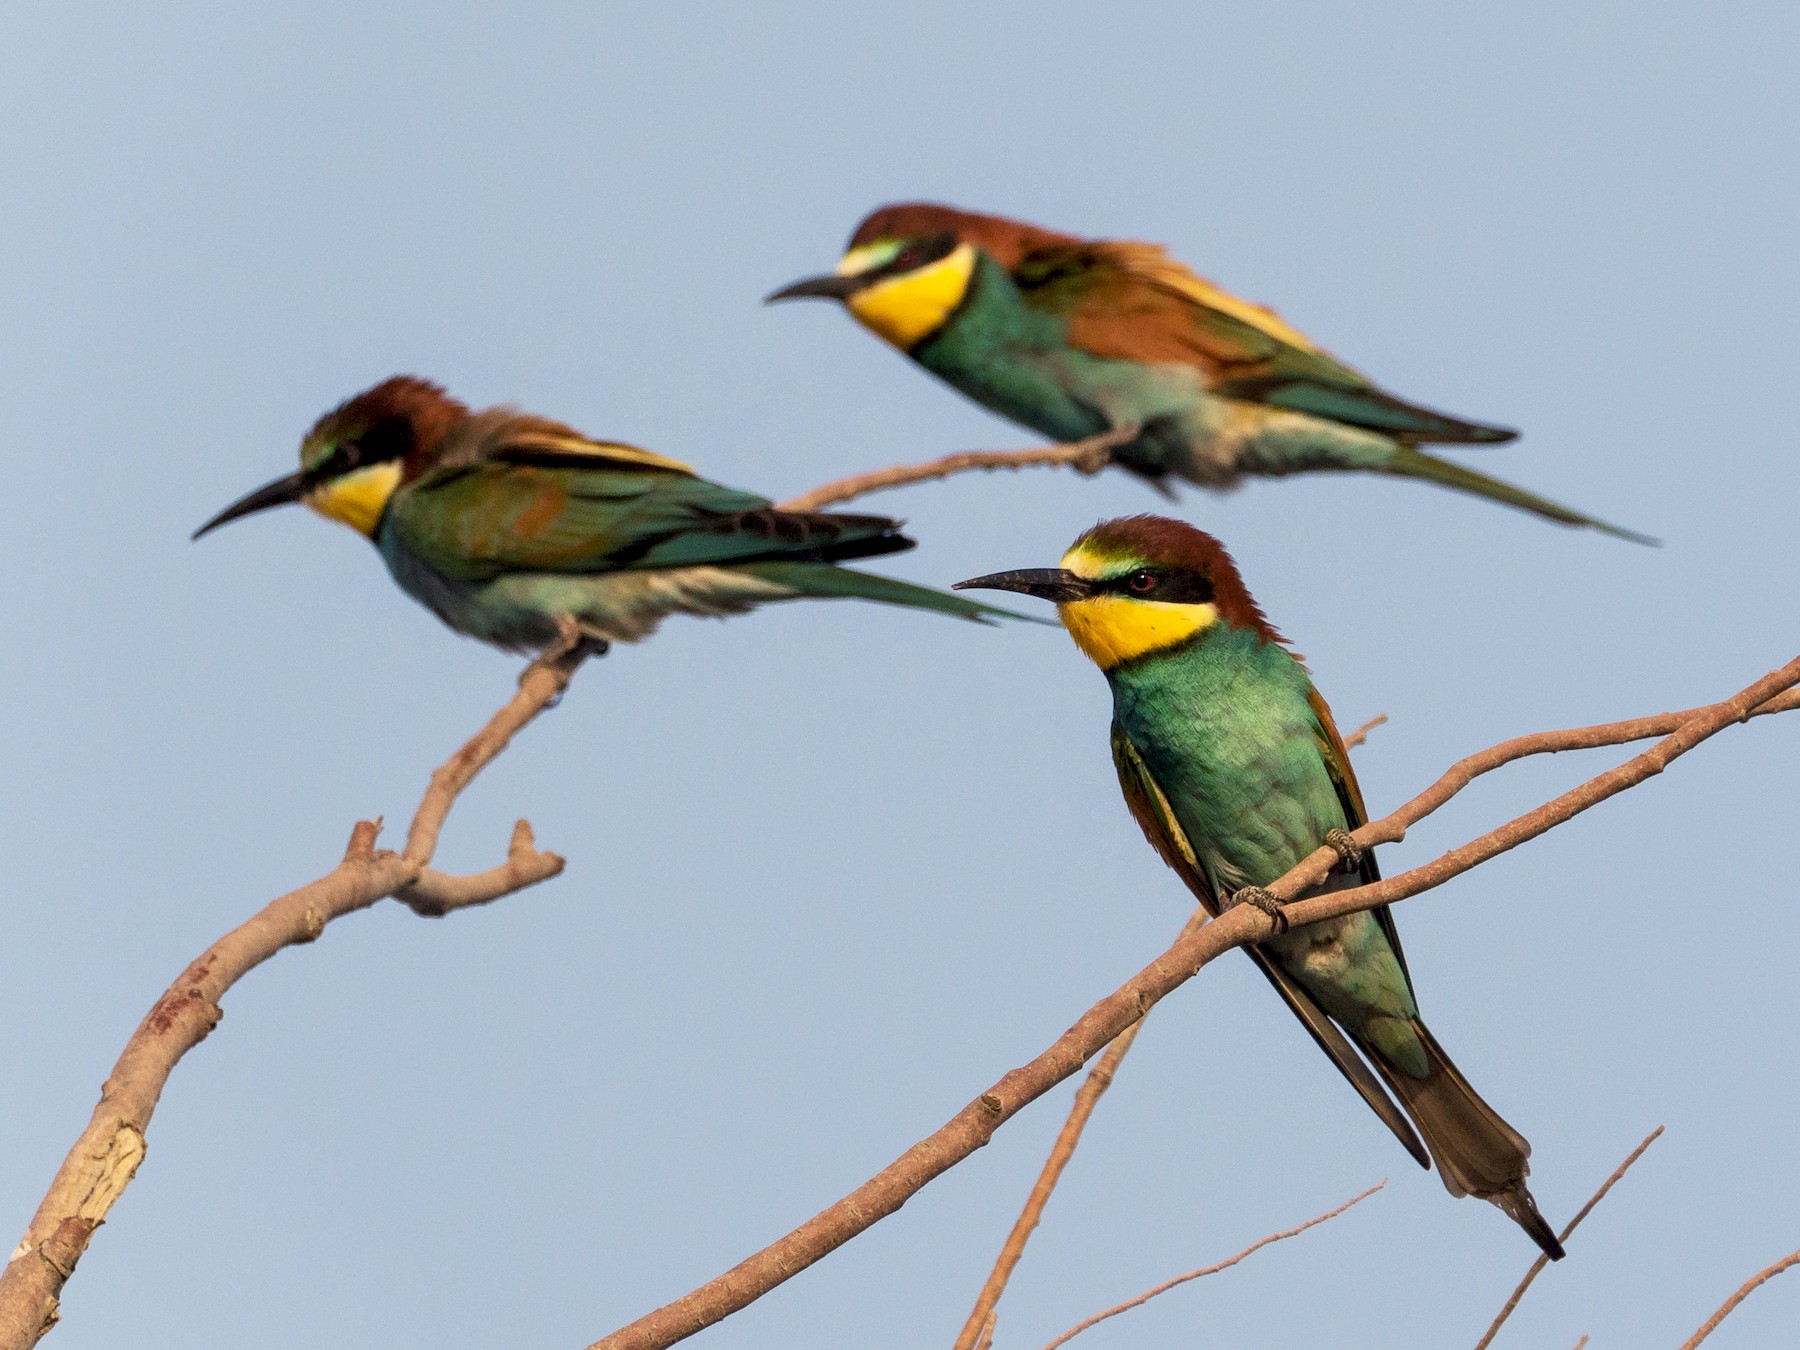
x=1112, y=629
x=907, y=308
x=357, y=499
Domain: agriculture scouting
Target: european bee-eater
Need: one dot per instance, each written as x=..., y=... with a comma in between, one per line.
x=1076, y=337
x=524, y=533
x=1230, y=761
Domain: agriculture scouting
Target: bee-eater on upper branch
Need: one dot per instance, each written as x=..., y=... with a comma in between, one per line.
x=1076, y=337
x=1230, y=761
x=526, y=534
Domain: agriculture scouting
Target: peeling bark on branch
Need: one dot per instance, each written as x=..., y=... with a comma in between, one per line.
x=103, y=1161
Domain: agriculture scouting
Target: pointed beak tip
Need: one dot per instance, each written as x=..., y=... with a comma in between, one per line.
x=1042, y=583
x=278, y=493
x=831, y=286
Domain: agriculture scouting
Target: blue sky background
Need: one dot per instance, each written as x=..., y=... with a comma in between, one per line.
x=834, y=868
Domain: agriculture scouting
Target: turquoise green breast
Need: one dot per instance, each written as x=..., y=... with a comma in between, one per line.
x=1225, y=728
x=1016, y=360
x=1003, y=354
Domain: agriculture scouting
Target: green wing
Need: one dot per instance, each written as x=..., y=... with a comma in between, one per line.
x=1133, y=302
x=1349, y=794
x=1150, y=807
x=535, y=496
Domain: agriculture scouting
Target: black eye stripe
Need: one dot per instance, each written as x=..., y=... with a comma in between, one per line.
x=1173, y=585
x=341, y=461
x=914, y=254
x=388, y=439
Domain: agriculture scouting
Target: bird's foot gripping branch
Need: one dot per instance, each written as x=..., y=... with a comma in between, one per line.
x=1265, y=902
x=1350, y=853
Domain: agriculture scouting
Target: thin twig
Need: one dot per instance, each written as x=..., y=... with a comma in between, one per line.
x=1085, y=456
x=1167, y=1285
x=103, y=1161
x=1725, y=1309
x=1580, y=1343
x=1538, y=1265
x=1361, y=734
x=978, y=1331
x=980, y=1325
x=540, y=686
x=975, y=1124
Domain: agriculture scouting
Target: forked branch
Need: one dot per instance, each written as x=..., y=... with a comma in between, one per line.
x=980, y=1326
x=100, y=1166
x=976, y=1123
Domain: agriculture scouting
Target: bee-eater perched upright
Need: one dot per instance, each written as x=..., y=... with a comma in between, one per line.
x=526, y=534
x=1076, y=337
x=1231, y=763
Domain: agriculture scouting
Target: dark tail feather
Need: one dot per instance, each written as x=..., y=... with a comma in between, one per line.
x=827, y=581
x=1477, y=1153
x=1410, y=463
x=1337, y=1047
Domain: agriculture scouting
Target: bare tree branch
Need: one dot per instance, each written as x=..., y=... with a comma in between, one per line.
x=1538, y=1265
x=1361, y=734
x=1167, y=1285
x=1087, y=456
x=976, y=1123
x=103, y=1161
x=980, y=1325
x=1725, y=1310
x=978, y=1331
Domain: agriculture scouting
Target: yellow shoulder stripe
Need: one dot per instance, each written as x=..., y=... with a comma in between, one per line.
x=1153, y=263
x=580, y=447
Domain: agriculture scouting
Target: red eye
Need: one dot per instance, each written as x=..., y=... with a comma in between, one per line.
x=1141, y=582
x=908, y=256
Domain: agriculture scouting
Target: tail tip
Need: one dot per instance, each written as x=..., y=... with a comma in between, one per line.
x=1516, y=1203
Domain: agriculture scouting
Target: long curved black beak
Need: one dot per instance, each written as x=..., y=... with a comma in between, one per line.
x=1046, y=583
x=279, y=493
x=828, y=287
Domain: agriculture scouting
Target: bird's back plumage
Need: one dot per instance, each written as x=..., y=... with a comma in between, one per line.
x=516, y=519
x=512, y=492
x=1073, y=336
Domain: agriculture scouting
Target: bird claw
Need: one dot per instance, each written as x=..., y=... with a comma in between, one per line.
x=569, y=650
x=1266, y=901
x=1093, y=460
x=1350, y=853
x=1098, y=450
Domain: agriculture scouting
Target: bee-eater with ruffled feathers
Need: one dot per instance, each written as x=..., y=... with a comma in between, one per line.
x=528, y=535
x=1077, y=337
x=1231, y=763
